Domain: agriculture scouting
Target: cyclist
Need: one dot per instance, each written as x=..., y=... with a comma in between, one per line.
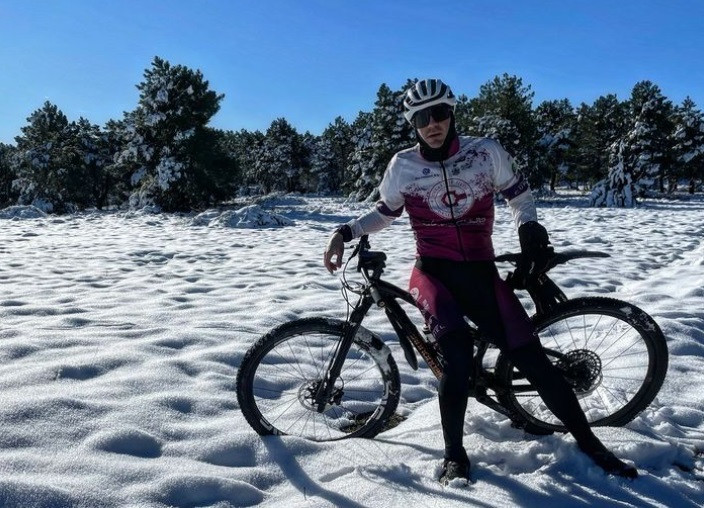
x=447, y=183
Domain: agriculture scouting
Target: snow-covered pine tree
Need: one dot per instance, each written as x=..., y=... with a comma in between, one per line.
x=598, y=127
x=361, y=158
x=464, y=115
x=243, y=148
x=322, y=163
x=281, y=158
x=618, y=189
x=130, y=151
x=555, y=124
x=383, y=134
x=649, y=138
x=170, y=148
x=46, y=154
x=338, y=140
x=7, y=174
x=90, y=183
x=688, y=143
x=309, y=179
x=389, y=133
x=504, y=110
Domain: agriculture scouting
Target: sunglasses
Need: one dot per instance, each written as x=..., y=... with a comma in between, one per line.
x=439, y=112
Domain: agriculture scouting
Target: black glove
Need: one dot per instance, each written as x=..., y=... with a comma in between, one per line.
x=535, y=249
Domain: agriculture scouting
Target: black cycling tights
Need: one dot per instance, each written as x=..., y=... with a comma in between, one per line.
x=533, y=363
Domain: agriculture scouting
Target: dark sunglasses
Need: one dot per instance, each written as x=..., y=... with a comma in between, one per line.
x=439, y=112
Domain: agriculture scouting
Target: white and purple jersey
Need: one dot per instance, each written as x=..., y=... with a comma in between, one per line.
x=450, y=203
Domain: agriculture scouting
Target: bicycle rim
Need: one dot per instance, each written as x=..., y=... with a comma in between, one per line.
x=280, y=375
x=612, y=354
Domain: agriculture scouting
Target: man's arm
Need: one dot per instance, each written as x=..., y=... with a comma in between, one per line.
x=371, y=222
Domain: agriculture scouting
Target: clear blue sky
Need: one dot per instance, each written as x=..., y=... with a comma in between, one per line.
x=310, y=61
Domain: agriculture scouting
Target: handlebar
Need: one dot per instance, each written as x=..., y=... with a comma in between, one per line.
x=376, y=260
x=558, y=258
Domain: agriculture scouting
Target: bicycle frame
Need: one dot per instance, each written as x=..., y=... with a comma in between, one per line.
x=385, y=295
x=374, y=291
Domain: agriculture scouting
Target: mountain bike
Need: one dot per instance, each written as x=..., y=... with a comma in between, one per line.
x=326, y=379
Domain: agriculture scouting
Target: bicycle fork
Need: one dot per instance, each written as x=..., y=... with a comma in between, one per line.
x=325, y=395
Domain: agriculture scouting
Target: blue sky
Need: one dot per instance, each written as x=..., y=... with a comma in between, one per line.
x=310, y=61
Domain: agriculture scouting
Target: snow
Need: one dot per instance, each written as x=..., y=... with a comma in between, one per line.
x=122, y=334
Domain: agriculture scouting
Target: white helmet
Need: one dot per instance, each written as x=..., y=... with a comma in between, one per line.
x=426, y=93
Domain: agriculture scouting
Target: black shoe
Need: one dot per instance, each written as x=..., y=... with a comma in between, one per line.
x=613, y=465
x=452, y=470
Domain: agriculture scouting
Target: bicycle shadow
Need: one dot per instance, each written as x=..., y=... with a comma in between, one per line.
x=297, y=476
x=398, y=478
x=558, y=488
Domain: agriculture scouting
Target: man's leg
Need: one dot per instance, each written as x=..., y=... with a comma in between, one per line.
x=558, y=396
x=457, y=348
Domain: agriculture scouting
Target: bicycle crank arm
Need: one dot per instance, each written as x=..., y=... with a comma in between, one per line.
x=482, y=397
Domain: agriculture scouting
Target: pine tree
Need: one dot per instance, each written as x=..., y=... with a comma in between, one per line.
x=243, y=148
x=280, y=161
x=125, y=170
x=649, y=138
x=322, y=163
x=91, y=182
x=598, y=126
x=555, y=122
x=504, y=110
x=336, y=139
x=177, y=161
x=361, y=159
x=618, y=189
x=464, y=116
x=383, y=133
x=389, y=133
x=688, y=143
x=308, y=179
x=46, y=152
x=7, y=174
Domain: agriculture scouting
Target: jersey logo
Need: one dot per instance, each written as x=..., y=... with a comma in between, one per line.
x=453, y=203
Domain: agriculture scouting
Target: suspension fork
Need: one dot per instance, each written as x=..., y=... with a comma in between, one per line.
x=327, y=383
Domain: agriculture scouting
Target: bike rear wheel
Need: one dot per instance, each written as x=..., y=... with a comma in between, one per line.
x=280, y=374
x=612, y=353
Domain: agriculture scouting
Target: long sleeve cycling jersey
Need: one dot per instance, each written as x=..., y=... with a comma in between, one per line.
x=450, y=203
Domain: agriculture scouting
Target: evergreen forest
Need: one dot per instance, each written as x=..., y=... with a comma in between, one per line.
x=164, y=154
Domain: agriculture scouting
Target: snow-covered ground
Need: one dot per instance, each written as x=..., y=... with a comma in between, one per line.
x=122, y=332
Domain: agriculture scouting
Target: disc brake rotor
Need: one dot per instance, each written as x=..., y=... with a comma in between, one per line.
x=308, y=390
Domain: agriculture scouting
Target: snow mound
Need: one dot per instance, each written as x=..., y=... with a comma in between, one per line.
x=22, y=212
x=252, y=216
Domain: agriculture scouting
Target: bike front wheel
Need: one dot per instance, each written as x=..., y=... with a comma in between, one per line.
x=280, y=374
x=612, y=353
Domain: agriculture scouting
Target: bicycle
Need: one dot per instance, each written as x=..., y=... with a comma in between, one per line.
x=326, y=379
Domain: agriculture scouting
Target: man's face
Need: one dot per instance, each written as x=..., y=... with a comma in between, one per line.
x=435, y=132
x=433, y=124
